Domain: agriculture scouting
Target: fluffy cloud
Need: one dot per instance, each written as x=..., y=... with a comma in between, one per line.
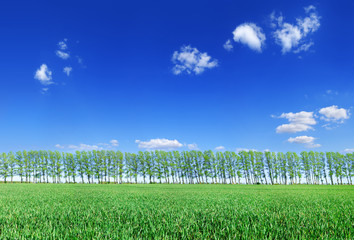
x=228, y=45
x=190, y=60
x=349, y=150
x=62, y=55
x=159, y=143
x=305, y=140
x=290, y=36
x=193, y=146
x=114, y=143
x=251, y=35
x=299, y=122
x=44, y=75
x=59, y=146
x=334, y=114
x=67, y=70
x=220, y=148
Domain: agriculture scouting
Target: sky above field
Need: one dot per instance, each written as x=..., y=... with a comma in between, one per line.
x=177, y=75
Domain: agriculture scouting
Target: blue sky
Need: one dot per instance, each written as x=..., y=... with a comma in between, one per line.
x=275, y=75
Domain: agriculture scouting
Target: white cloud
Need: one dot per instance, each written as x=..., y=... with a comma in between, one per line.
x=331, y=92
x=305, y=140
x=228, y=45
x=220, y=148
x=190, y=60
x=290, y=36
x=299, y=122
x=114, y=143
x=44, y=75
x=44, y=90
x=59, y=146
x=67, y=70
x=62, y=44
x=334, y=114
x=159, y=143
x=310, y=8
x=84, y=147
x=62, y=55
x=349, y=150
x=193, y=146
x=245, y=149
x=304, y=47
x=292, y=128
x=251, y=35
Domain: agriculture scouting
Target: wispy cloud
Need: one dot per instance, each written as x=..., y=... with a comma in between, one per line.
x=62, y=55
x=228, y=45
x=349, y=150
x=294, y=36
x=63, y=47
x=220, y=148
x=114, y=143
x=189, y=60
x=62, y=44
x=67, y=70
x=84, y=147
x=245, y=149
x=87, y=147
x=193, y=146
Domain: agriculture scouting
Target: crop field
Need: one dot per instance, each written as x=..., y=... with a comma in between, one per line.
x=162, y=211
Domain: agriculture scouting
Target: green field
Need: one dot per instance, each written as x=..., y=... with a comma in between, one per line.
x=68, y=211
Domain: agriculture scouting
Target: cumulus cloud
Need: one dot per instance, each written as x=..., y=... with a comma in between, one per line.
x=59, y=146
x=114, y=143
x=309, y=142
x=349, y=150
x=299, y=122
x=220, y=148
x=67, y=70
x=62, y=55
x=159, y=143
x=334, y=114
x=189, y=60
x=44, y=75
x=251, y=35
x=228, y=45
x=290, y=36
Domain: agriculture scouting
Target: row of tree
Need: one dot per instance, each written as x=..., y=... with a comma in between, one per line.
x=187, y=167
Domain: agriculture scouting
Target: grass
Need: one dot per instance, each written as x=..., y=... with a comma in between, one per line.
x=64, y=211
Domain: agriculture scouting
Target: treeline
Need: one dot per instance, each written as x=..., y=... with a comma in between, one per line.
x=187, y=167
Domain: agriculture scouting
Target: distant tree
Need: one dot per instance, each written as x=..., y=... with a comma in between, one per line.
x=20, y=165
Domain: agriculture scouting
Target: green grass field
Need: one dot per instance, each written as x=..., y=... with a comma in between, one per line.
x=63, y=211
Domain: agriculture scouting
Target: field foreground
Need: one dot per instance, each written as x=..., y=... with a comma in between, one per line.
x=64, y=211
